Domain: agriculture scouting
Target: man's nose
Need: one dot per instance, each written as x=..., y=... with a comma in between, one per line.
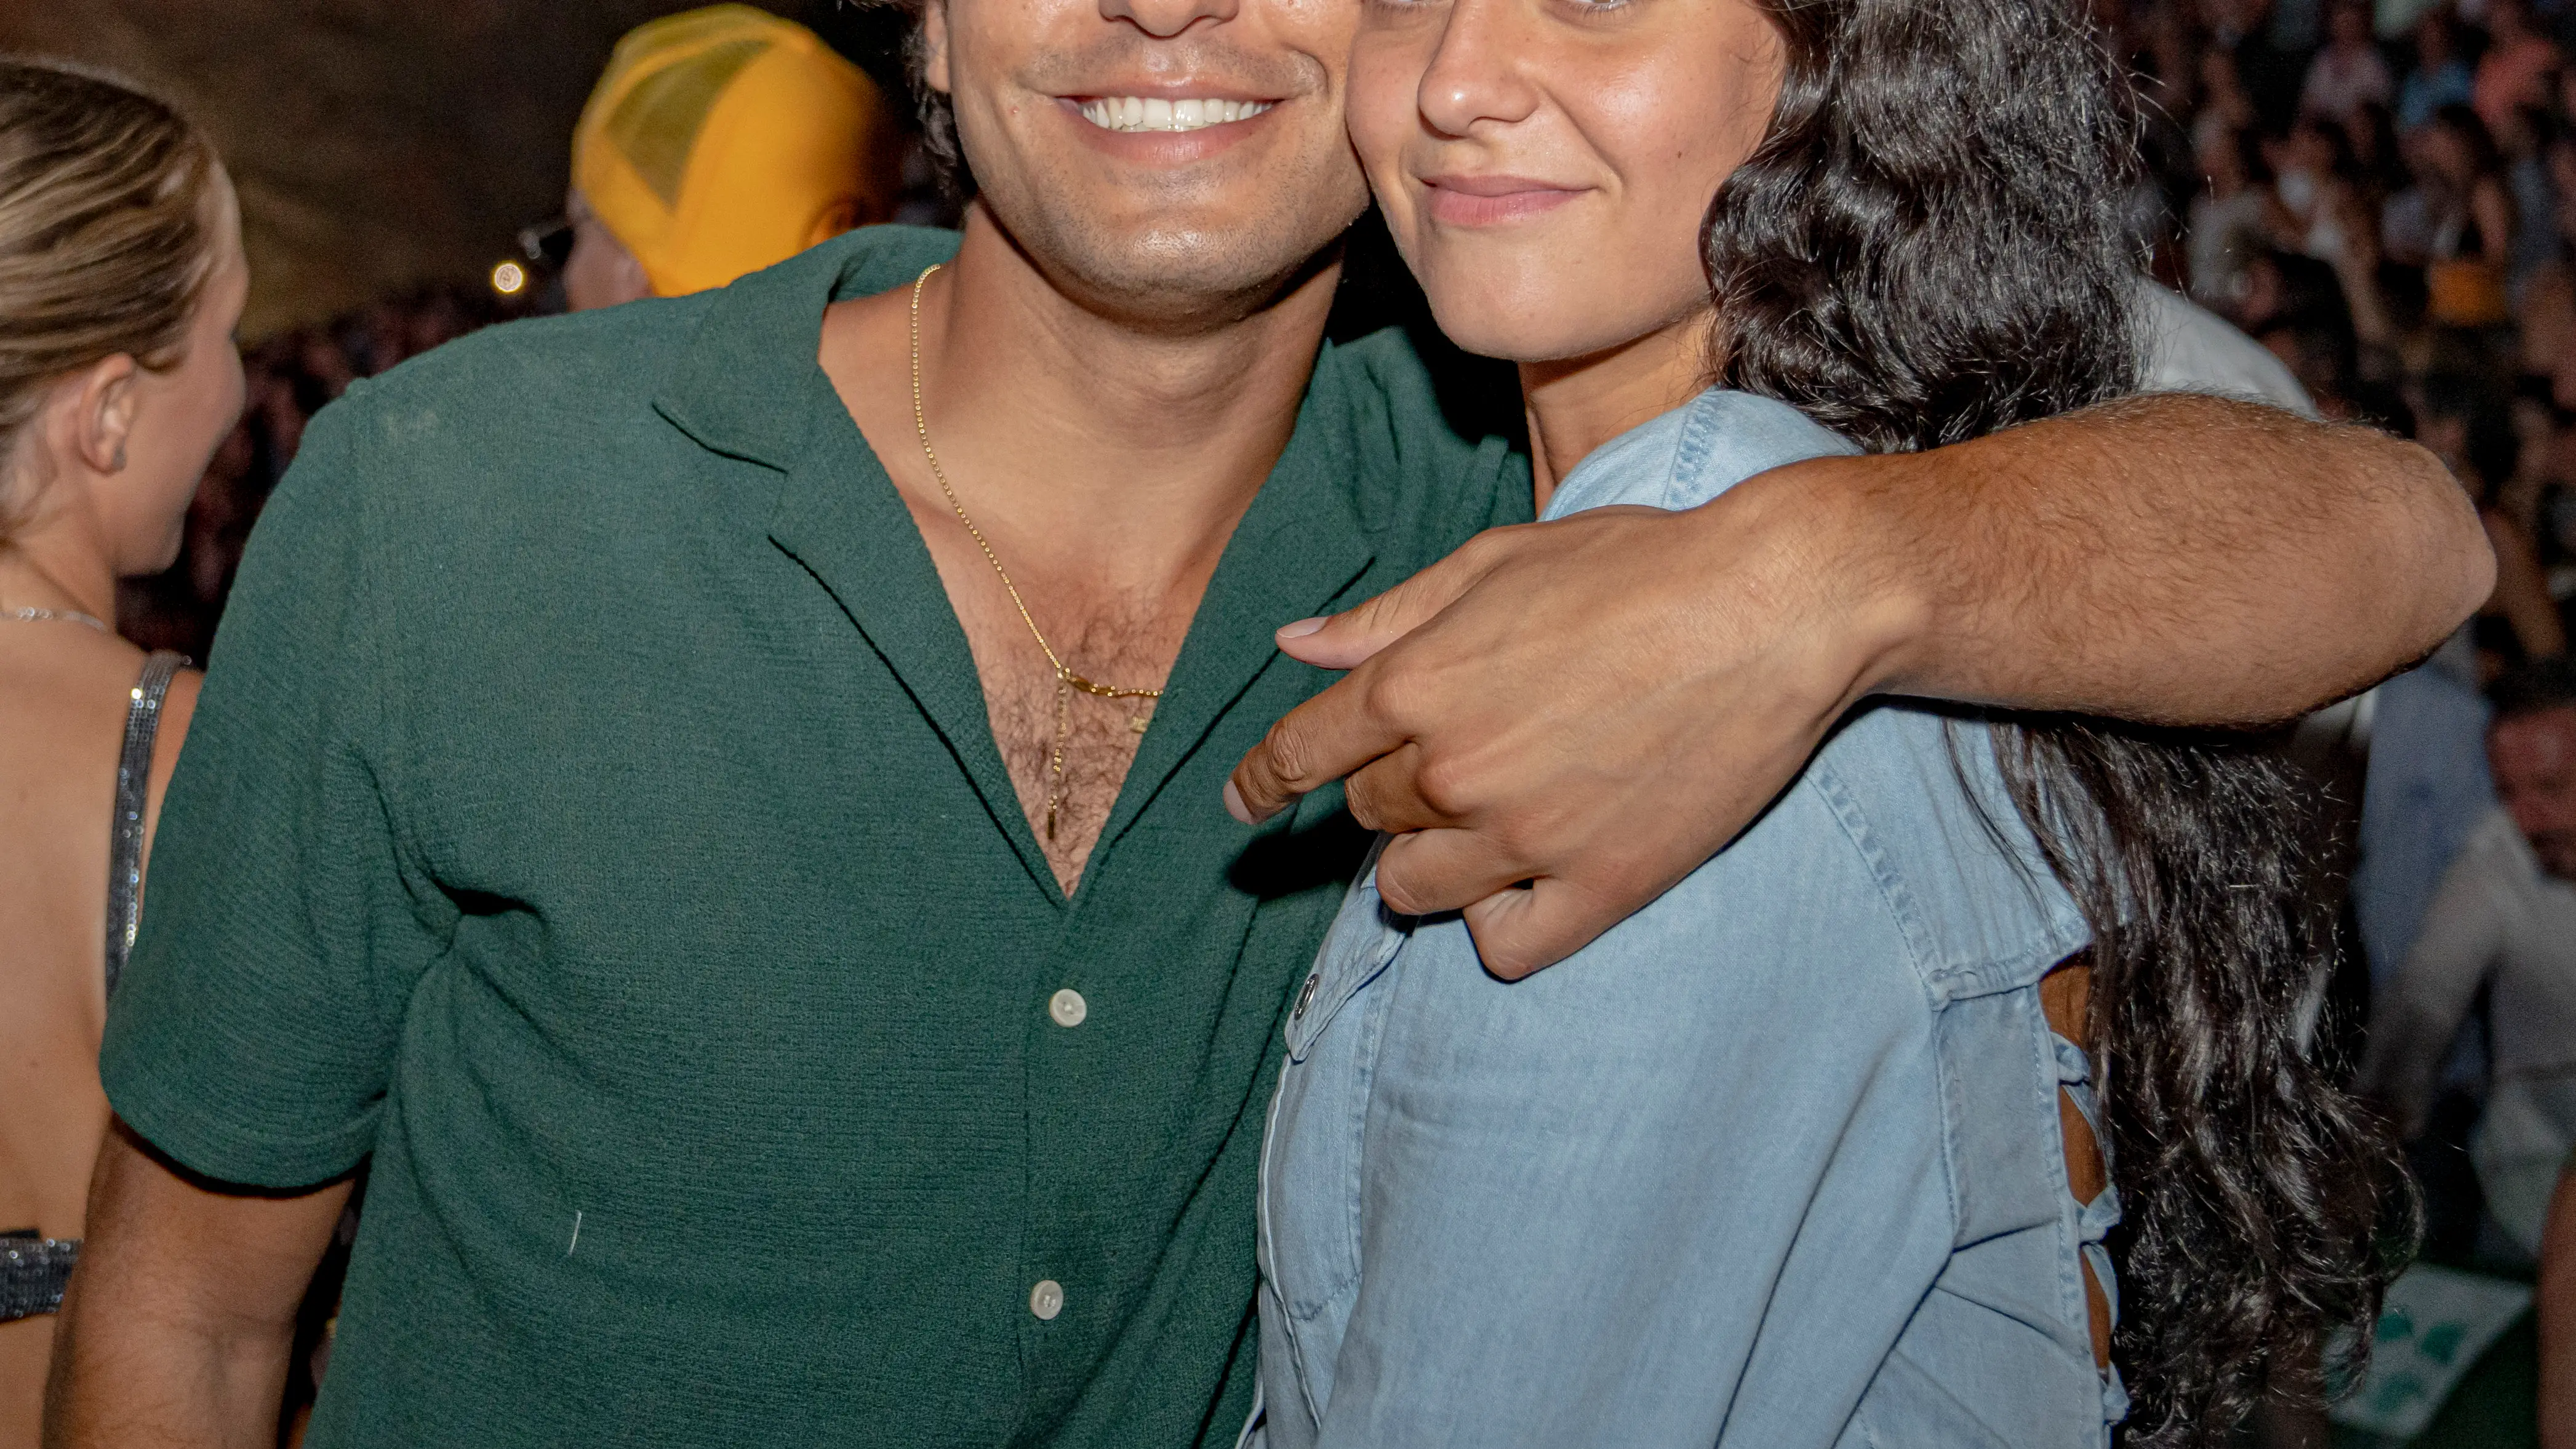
x=1166, y=18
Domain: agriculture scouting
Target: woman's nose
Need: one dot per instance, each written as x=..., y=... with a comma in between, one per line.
x=1476, y=75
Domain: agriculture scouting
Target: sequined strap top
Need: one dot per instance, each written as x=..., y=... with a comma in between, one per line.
x=34, y=1269
x=133, y=778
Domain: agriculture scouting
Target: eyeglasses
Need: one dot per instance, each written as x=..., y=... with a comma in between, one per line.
x=549, y=242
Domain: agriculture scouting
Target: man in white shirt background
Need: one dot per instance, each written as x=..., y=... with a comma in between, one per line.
x=2504, y=921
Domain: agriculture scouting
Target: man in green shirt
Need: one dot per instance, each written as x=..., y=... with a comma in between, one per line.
x=719, y=799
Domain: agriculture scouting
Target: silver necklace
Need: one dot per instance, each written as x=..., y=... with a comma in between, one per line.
x=33, y=615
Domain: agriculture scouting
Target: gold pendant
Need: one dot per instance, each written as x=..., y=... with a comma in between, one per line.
x=1055, y=764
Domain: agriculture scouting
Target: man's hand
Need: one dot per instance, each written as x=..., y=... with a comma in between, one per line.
x=1561, y=721
x=181, y=1315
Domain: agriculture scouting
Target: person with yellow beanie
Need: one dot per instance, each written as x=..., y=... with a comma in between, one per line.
x=719, y=142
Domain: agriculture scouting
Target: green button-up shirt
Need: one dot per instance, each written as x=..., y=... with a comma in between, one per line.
x=592, y=815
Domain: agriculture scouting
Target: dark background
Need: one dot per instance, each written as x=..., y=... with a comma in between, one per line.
x=384, y=144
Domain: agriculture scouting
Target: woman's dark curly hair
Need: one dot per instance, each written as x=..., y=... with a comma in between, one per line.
x=1928, y=246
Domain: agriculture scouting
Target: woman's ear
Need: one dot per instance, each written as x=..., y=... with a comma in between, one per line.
x=103, y=403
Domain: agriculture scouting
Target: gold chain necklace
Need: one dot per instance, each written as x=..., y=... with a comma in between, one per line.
x=1066, y=681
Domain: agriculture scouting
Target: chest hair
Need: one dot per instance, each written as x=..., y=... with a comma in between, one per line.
x=1120, y=642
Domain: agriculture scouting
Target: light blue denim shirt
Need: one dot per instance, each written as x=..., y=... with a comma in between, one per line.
x=1776, y=1163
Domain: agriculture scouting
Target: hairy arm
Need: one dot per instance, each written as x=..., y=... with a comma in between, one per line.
x=178, y=1323
x=2174, y=559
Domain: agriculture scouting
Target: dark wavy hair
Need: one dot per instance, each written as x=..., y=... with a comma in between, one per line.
x=936, y=111
x=1928, y=246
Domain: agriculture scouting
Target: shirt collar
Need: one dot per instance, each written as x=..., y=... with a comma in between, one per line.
x=746, y=375
x=750, y=386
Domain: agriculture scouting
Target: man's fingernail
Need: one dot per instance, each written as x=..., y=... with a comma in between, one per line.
x=1235, y=807
x=1302, y=628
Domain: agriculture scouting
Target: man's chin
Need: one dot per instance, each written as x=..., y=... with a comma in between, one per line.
x=1180, y=277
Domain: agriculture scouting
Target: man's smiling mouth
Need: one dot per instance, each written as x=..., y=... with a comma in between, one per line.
x=1159, y=113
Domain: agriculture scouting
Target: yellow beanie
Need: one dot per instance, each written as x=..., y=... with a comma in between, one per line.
x=725, y=140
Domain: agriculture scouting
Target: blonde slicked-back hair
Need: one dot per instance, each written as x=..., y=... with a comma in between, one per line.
x=106, y=234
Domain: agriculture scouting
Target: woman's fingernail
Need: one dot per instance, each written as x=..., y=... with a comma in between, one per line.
x=1302, y=628
x=1235, y=807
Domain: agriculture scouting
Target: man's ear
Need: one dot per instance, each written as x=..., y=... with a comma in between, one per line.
x=103, y=402
x=934, y=46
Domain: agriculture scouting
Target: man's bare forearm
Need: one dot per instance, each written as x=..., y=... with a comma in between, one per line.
x=2172, y=559
x=163, y=1383
x=178, y=1325
x=1559, y=721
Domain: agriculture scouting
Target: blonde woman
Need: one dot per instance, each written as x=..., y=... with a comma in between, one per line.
x=121, y=279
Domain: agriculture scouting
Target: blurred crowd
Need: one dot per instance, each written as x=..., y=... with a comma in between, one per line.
x=2385, y=196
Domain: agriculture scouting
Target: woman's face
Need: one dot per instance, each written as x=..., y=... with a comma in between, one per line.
x=1545, y=165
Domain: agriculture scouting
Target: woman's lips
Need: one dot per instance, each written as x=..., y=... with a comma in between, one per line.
x=1489, y=200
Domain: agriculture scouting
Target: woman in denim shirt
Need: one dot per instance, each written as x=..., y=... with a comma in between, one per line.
x=1810, y=1152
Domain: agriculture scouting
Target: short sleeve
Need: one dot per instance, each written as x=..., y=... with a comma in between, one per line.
x=284, y=925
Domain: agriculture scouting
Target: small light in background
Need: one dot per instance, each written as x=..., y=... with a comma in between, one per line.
x=509, y=279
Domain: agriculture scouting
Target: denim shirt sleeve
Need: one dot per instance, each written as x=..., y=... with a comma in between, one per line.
x=1774, y=1163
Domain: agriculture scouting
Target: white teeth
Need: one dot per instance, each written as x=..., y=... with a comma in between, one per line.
x=1155, y=113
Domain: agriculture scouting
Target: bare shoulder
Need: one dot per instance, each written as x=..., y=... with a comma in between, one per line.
x=63, y=692
x=63, y=698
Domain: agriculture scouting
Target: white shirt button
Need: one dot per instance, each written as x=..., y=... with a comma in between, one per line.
x=1046, y=1300
x=1069, y=1009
